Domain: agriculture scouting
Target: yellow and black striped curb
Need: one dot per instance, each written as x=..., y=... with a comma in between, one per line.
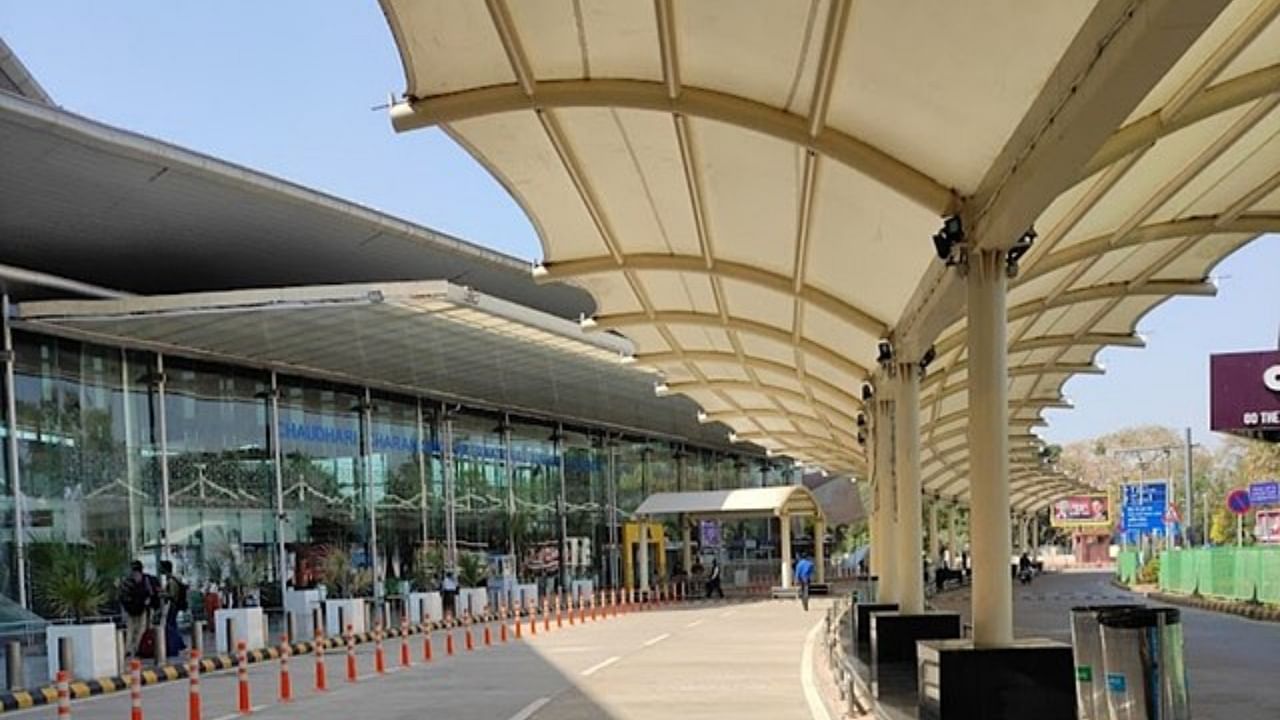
x=1253, y=611
x=80, y=689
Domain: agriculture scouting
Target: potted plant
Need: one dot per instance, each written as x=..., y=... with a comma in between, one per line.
x=473, y=595
x=77, y=583
x=243, y=577
x=347, y=587
x=425, y=601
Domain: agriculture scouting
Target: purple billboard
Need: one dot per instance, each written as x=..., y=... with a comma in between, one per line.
x=1244, y=392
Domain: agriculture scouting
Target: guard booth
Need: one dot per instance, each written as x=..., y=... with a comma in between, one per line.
x=788, y=503
x=636, y=567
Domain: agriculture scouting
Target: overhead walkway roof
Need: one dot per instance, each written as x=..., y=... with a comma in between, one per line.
x=748, y=189
x=795, y=500
x=427, y=338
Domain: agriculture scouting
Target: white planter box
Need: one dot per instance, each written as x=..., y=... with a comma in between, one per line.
x=430, y=602
x=302, y=603
x=93, y=649
x=473, y=600
x=528, y=595
x=249, y=629
x=353, y=614
x=582, y=590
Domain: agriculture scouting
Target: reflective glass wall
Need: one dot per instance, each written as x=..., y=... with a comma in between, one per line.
x=251, y=481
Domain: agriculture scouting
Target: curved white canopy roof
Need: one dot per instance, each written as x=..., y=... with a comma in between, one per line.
x=748, y=188
x=794, y=500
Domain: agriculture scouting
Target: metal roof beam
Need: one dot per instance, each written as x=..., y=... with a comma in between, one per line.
x=696, y=319
x=1120, y=53
x=698, y=265
x=767, y=120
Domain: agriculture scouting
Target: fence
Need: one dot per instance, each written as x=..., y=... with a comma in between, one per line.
x=1127, y=566
x=1251, y=573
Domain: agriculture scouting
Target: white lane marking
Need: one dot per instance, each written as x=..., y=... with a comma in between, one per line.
x=695, y=623
x=527, y=711
x=654, y=641
x=600, y=666
x=817, y=708
x=232, y=716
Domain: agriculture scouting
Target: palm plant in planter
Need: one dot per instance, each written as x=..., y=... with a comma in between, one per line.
x=342, y=577
x=471, y=569
x=77, y=582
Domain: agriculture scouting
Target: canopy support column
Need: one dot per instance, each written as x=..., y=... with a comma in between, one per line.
x=953, y=538
x=883, y=468
x=642, y=555
x=989, y=450
x=909, y=544
x=1035, y=537
x=819, y=550
x=686, y=545
x=935, y=544
x=784, y=532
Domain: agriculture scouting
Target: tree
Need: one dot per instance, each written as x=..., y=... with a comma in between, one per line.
x=1222, y=528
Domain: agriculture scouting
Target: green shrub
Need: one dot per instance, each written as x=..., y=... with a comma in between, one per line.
x=1149, y=573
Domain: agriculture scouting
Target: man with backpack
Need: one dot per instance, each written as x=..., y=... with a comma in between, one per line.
x=174, y=596
x=139, y=595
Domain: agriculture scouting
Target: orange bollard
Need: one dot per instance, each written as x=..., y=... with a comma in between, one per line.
x=470, y=641
x=502, y=631
x=379, y=658
x=546, y=614
x=426, y=643
x=135, y=689
x=448, y=642
x=559, y=613
x=242, y=678
x=405, y=660
x=194, y=710
x=64, y=694
x=518, y=622
x=488, y=638
x=352, y=675
x=322, y=679
x=286, y=682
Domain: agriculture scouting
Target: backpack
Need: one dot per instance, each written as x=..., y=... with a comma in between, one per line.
x=180, y=595
x=135, y=595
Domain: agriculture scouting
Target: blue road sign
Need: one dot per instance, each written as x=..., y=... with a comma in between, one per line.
x=1143, y=507
x=1264, y=493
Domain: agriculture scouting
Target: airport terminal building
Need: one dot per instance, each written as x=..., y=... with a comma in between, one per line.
x=210, y=363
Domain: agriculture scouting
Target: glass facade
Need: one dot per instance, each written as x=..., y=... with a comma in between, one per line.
x=247, y=478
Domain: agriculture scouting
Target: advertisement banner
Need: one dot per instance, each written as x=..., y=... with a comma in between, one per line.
x=1244, y=392
x=1081, y=511
x=1267, y=527
x=709, y=535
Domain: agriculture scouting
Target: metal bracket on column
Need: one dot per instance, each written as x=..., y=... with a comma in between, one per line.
x=1015, y=253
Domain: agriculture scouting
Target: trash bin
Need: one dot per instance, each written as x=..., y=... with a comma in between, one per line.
x=1142, y=659
x=1086, y=644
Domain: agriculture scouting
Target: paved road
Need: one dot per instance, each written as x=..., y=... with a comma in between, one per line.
x=1233, y=664
x=701, y=661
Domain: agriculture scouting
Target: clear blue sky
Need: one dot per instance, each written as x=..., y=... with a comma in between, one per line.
x=287, y=87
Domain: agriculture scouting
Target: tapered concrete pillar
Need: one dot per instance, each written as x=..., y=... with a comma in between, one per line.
x=784, y=534
x=885, y=502
x=1024, y=542
x=935, y=544
x=642, y=556
x=908, y=540
x=953, y=536
x=1035, y=537
x=989, y=450
x=819, y=551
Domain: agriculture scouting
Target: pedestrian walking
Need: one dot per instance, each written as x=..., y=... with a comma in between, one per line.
x=804, y=576
x=174, y=599
x=713, y=581
x=138, y=596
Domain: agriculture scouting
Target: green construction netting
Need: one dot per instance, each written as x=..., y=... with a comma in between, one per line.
x=1226, y=572
x=1127, y=566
